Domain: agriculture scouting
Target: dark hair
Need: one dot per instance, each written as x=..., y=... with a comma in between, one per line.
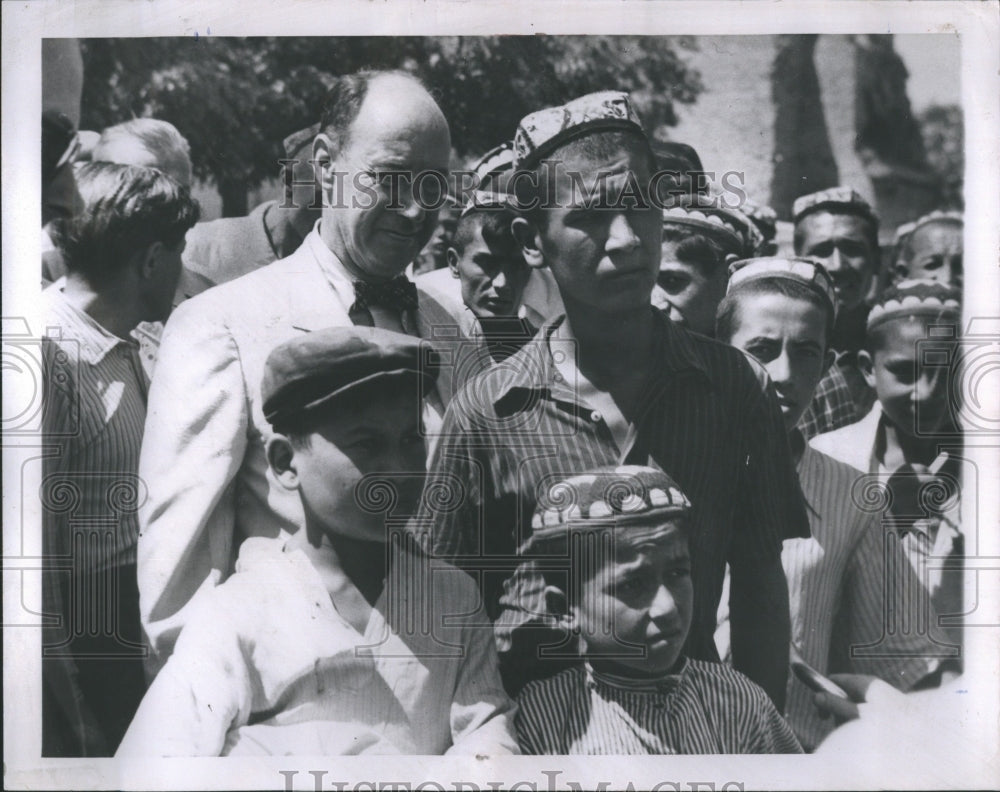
x=726, y=318
x=871, y=228
x=344, y=99
x=126, y=208
x=534, y=191
x=495, y=223
x=696, y=248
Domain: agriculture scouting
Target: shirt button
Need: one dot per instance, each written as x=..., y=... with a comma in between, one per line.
x=595, y=416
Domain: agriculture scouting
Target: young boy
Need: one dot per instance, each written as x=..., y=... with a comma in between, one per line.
x=611, y=545
x=699, y=242
x=781, y=312
x=343, y=638
x=931, y=249
x=909, y=440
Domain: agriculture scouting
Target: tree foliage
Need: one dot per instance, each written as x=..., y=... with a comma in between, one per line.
x=235, y=99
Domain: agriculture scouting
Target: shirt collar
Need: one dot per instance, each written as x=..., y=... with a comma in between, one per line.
x=532, y=368
x=666, y=684
x=94, y=341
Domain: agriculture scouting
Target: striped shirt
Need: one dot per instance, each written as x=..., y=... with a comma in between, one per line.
x=849, y=572
x=94, y=412
x=707, y=420
x=704, y=708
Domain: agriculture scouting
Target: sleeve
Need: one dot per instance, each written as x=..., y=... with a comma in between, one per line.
x=482, y=715
x=451, y=509
x=774, y=735
x=194, y=442
x=769, y=508
x=203, y=691
x=887, y=615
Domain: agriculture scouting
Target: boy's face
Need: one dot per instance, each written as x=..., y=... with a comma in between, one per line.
x=936, y=253
x=788, y=337
x=604, y=256
x=380, y=437
x=914, y=397
x=843, y=244
x=691, y=296
x=635, y=612
x=493, y=276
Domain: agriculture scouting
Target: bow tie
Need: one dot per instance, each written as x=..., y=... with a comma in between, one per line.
x=399, y=295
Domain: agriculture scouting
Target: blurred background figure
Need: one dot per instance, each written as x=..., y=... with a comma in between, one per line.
x=148, y=143
x=434, y=255
x=931, y=249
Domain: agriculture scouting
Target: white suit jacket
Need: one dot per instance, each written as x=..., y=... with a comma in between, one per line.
x=203, y=454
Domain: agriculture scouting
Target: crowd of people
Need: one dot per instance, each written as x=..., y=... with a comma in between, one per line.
x=577, y=460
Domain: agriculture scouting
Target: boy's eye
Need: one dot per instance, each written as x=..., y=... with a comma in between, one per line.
x=763, y=352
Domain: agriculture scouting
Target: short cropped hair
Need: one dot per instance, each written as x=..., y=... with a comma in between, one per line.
x=531, y=184
x=126, y=208
x=168, y=147
x=726, y=318
x=344, y=99
x=495, y=224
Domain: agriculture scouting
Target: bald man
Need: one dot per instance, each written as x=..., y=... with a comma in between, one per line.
x=203, y=456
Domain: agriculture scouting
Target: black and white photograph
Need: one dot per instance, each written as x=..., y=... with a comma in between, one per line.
x=463, y=396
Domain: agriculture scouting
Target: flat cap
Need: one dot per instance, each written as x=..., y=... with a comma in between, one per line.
x=311, y=370
x=297, y=141
x=640, y=499
x=542, y=132
x=845, y=199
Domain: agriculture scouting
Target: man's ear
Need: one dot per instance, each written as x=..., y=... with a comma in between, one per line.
x=324, y=154
x=529, y=240
x=149, y=260
x=557, y=604
x=828, y=359
x=867, y=366
x=451, y=256
x=281, y=458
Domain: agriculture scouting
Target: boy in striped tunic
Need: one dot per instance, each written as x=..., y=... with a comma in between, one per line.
x=612, y=549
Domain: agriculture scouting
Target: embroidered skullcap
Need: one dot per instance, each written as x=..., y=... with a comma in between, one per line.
x=491, y=176
x=910, y=298
x=806, y=271
x=763, y=217
x=542, y=132
x=637, y=500
x=729, y=227
x=843, y=199
x=936, y=216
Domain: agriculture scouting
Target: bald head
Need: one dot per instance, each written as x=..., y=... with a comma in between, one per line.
x=383, y=152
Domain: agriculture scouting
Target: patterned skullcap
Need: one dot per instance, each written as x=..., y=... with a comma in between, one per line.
x=729, y=227
x=492, y=174
x=542, y=132
x=936, y=216
x=763, y=217
x=915, y=298
x=845, y=199
x=642, y=499
x=806, y=271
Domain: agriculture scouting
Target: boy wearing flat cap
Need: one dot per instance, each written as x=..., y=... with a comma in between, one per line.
x=344, y=638
x=611, y=545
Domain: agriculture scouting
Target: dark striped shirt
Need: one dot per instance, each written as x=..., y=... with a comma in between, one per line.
x=708, y=420
x=705, y=708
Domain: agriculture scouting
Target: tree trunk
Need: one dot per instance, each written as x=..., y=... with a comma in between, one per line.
x=234, y=197
x=803, y=158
